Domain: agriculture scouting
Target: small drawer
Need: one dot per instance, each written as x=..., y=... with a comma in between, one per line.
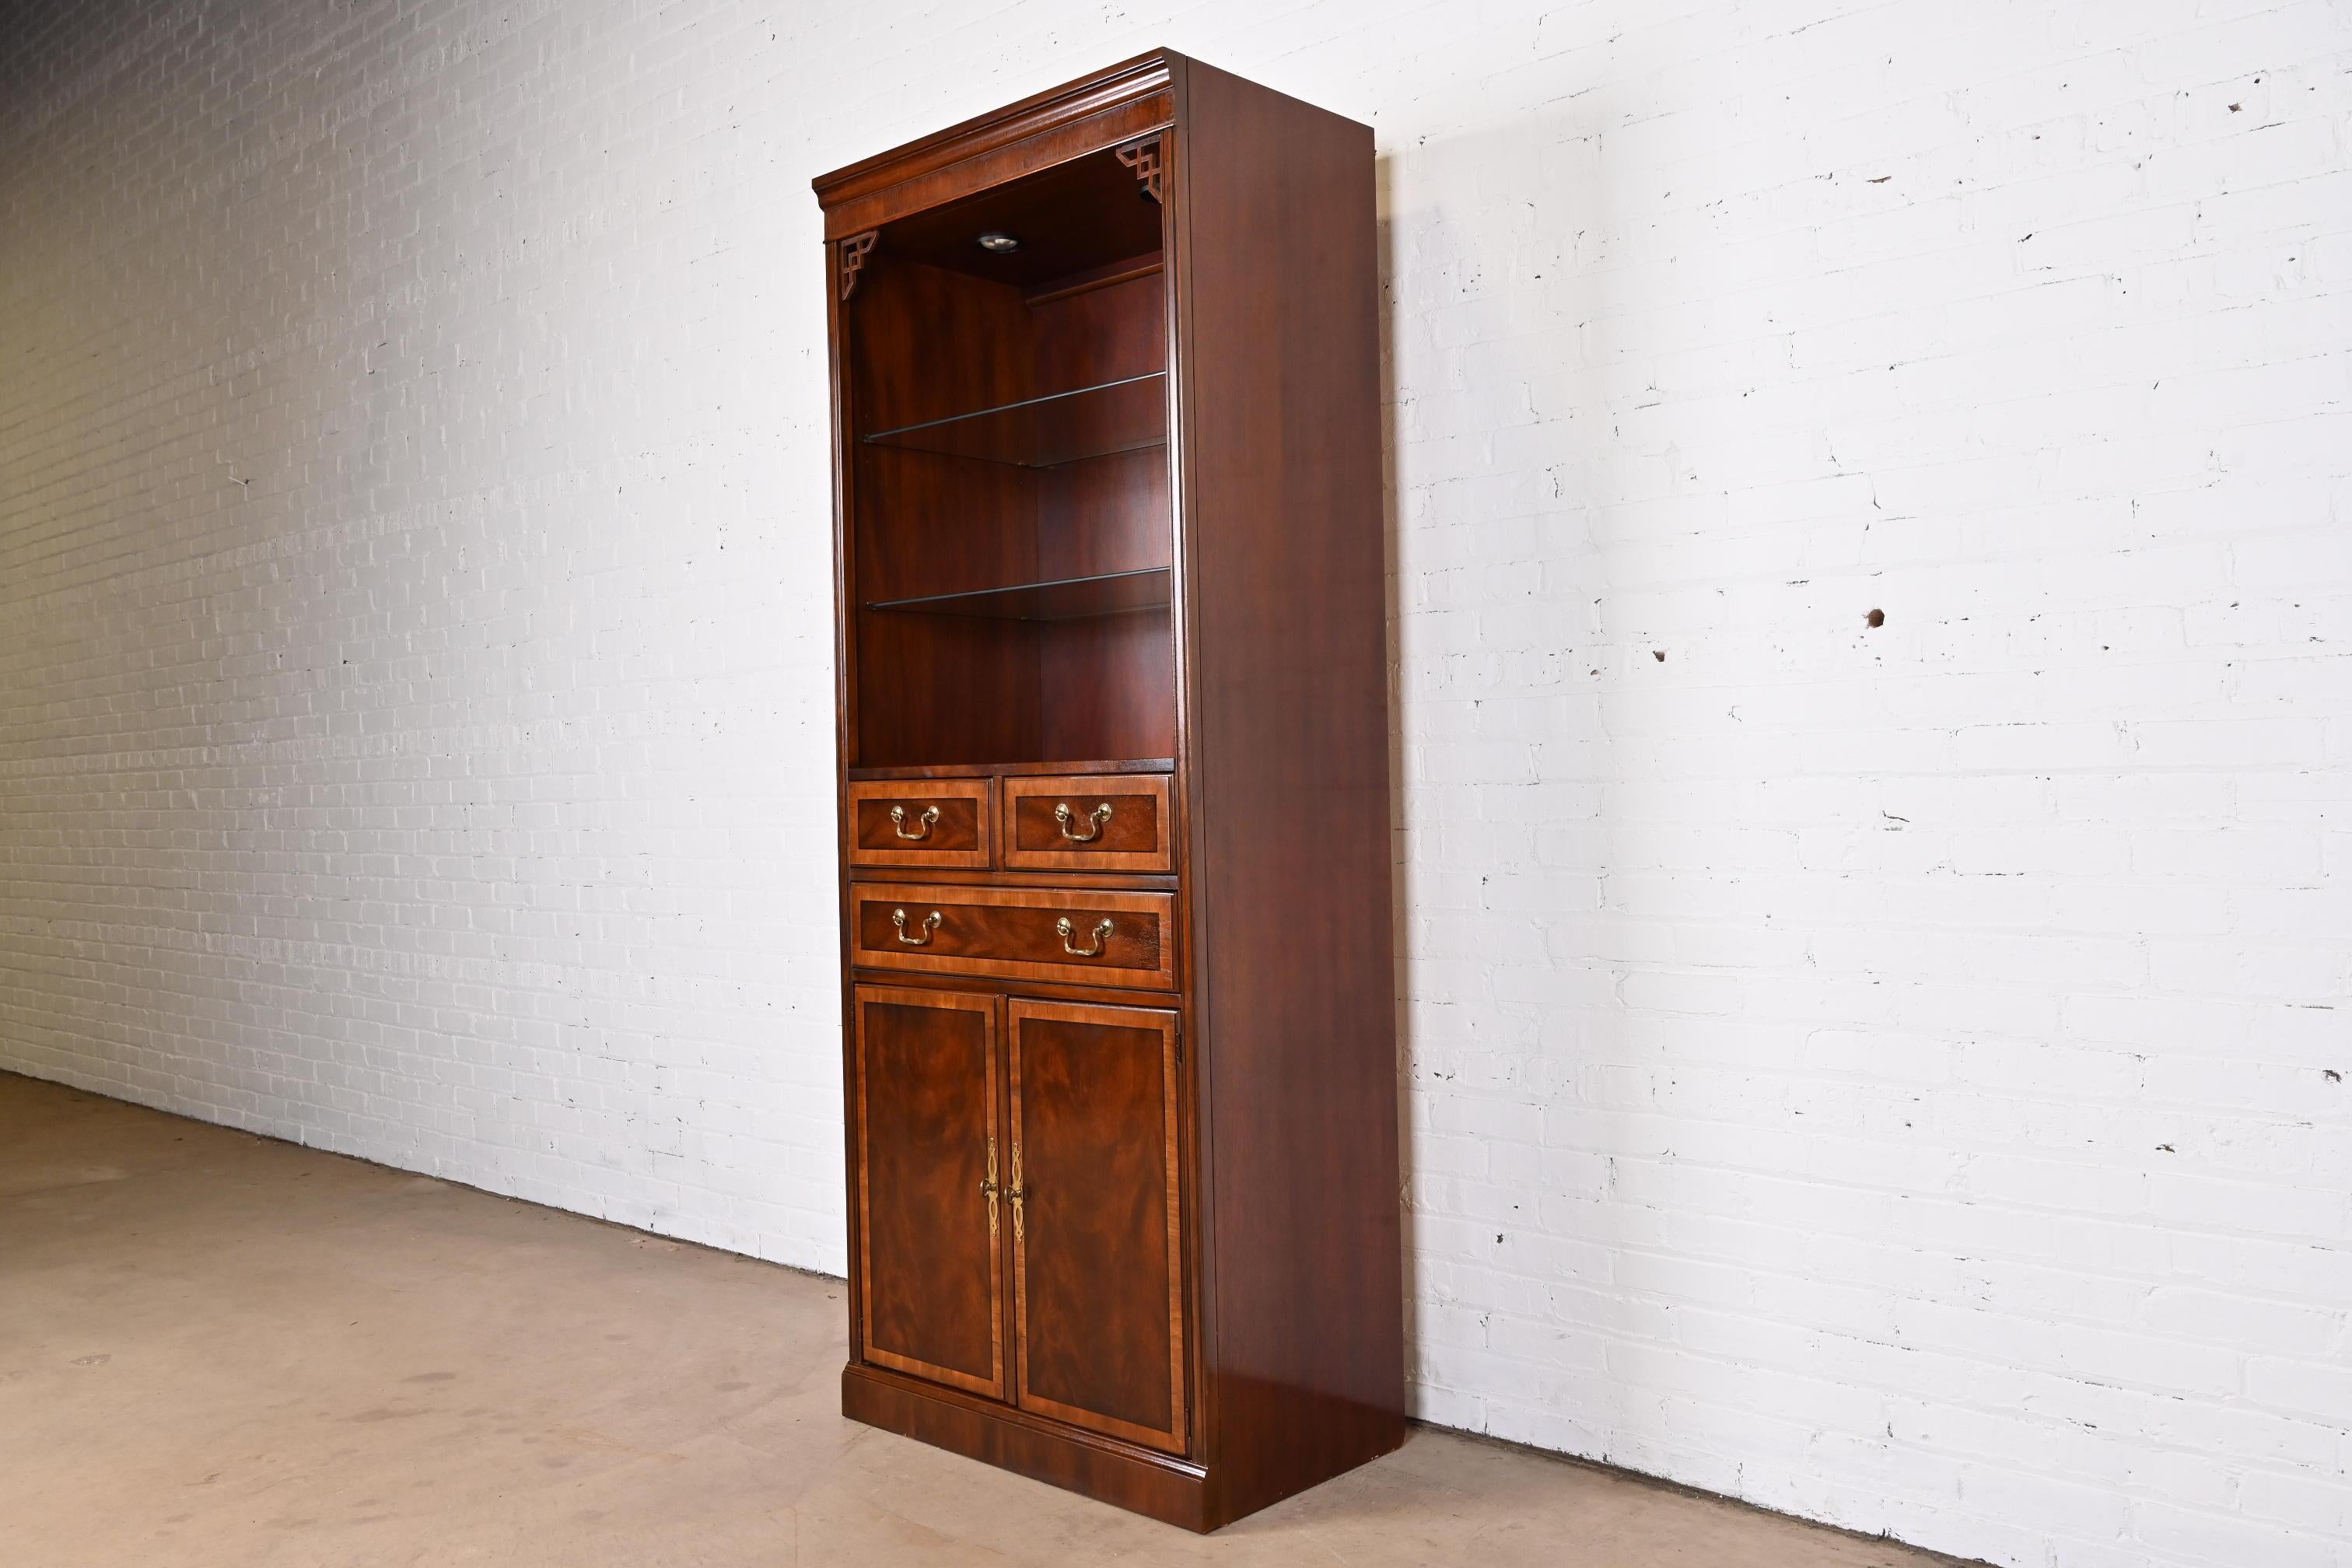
x=1090, y=822
x=921, y=821
x=1035, y=934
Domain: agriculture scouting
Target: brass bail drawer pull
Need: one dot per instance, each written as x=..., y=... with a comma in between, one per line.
x=898, y=822
x=931, y=924
x=1065, y=815
x=1102, y=930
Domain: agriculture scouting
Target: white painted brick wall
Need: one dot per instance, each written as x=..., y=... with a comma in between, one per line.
x=1896, y=1076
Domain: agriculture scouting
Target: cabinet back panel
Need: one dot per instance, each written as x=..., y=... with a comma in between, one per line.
x=1103, y=334
x=1108, y=687
x=1111, y=513
x=1107, y=514
x=928, y=343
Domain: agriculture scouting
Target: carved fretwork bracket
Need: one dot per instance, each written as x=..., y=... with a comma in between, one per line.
x=853, y=257
x=1143, y=157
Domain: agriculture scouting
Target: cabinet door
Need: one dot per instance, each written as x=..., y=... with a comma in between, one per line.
x=929, y=1149
x=1098, y=1280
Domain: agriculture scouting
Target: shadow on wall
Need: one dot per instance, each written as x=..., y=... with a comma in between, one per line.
x=1493, y=269
x=1399, y=893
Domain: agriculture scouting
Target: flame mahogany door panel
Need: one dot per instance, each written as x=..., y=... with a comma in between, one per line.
x=1098, y=1280
x=929, y=1149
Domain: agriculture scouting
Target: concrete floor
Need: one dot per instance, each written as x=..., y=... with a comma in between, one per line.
x=219, y=1349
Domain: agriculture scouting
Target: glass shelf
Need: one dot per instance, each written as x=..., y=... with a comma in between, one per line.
x=1065, y=599
x=1124, y=415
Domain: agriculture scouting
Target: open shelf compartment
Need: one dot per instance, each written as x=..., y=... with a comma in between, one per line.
x=1009, y=497
x=1063, y=599
x=1123, y=415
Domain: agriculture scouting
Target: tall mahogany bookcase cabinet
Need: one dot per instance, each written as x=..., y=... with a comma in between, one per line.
x=1115, y=921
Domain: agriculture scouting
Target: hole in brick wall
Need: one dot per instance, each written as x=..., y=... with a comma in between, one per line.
x=1876, y=618
x=1659, y=653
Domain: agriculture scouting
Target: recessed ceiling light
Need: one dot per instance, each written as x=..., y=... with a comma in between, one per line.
x=999, y=243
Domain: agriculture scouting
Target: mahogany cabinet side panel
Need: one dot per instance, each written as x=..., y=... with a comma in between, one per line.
x=1284, y=608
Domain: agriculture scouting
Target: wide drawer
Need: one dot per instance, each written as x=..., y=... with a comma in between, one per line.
x=1090, y=937
x=922, y=822
x=1089, y=822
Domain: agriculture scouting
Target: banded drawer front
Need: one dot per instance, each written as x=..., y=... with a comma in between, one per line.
x=1097, y=822
x=1080, y=937
x=921, y=821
